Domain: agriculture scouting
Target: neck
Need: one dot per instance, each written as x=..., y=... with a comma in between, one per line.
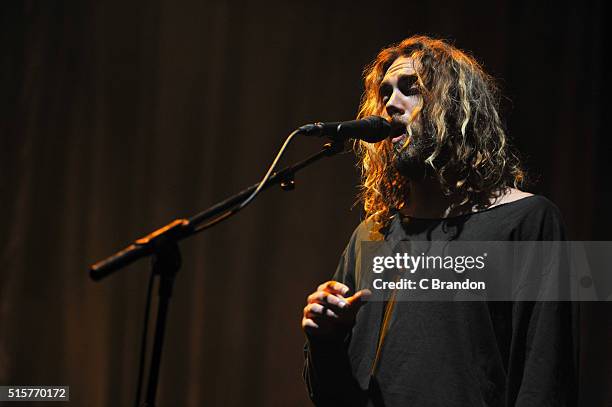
x=427, y=200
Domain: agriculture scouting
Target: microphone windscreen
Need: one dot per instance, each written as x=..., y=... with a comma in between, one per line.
x=371, y=129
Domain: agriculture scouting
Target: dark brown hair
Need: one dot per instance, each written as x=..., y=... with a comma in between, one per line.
x=472, y=159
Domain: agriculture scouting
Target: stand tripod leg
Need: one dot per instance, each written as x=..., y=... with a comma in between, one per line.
x=166, y=263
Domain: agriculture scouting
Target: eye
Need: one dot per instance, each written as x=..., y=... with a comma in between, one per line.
x=385, y=91
x=414, y=90
x=407, y=85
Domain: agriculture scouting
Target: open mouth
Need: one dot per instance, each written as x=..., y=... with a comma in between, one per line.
x=399, y=138
x=398, y=132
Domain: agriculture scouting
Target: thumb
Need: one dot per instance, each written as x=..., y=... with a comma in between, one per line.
x=359, y=298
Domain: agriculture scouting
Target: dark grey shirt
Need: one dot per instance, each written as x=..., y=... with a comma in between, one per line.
x=452, y=353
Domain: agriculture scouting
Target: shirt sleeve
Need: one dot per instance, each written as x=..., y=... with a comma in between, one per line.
x=327, y=371
x=543, y=354
x=542, y=370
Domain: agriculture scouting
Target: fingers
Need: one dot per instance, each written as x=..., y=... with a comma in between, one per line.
x=328, y=310
x=318, y=319
x=314, y=311
x=313, y=327
x=359, y=298
x=330, y=294
x=334, y=287
x=326, y=298
x=309, y=324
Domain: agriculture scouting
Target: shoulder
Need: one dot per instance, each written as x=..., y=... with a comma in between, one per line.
x=509, y=195
x=526, y=203
x=536, y=218
x=536, y=205
x=366, y=231
x=363, y=232
x=370, y=231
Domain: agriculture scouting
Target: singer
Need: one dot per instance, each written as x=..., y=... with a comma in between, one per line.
x=448, y=172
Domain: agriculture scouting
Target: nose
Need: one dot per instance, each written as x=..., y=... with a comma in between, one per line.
x=393, y=106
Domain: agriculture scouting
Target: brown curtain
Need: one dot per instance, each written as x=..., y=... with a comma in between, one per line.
x=118, y=117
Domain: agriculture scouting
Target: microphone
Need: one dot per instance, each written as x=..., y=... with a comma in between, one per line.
x=371, y=129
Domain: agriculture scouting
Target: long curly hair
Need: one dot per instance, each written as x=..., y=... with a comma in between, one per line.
x=472, y=158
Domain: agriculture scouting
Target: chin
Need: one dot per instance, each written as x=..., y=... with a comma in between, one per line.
x=412, y=167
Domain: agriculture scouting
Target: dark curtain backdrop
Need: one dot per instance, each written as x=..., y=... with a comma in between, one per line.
x=118, y=117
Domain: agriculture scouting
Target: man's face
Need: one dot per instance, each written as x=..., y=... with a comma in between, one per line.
x=400, y=97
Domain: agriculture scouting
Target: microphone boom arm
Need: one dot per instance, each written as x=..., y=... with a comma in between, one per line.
x=180, y=229
x=162, y=245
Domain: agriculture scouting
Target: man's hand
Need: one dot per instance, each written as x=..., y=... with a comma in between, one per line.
x=327, y=310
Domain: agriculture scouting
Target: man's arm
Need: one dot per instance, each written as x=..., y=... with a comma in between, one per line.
x=327, y=322
x=542, y=372
x=542, y=368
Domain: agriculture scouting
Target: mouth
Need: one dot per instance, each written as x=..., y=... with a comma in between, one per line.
x=398, y=132
x=399, y=138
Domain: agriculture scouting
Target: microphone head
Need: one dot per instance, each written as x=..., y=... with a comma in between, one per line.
x=371, y=129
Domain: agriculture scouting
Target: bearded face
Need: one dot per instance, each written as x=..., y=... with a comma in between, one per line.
x=401, y=98
x=410, y=152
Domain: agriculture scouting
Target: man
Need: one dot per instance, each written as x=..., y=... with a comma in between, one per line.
x=446, y=173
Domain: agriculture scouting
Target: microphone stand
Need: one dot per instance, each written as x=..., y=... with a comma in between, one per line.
x=162, y=245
